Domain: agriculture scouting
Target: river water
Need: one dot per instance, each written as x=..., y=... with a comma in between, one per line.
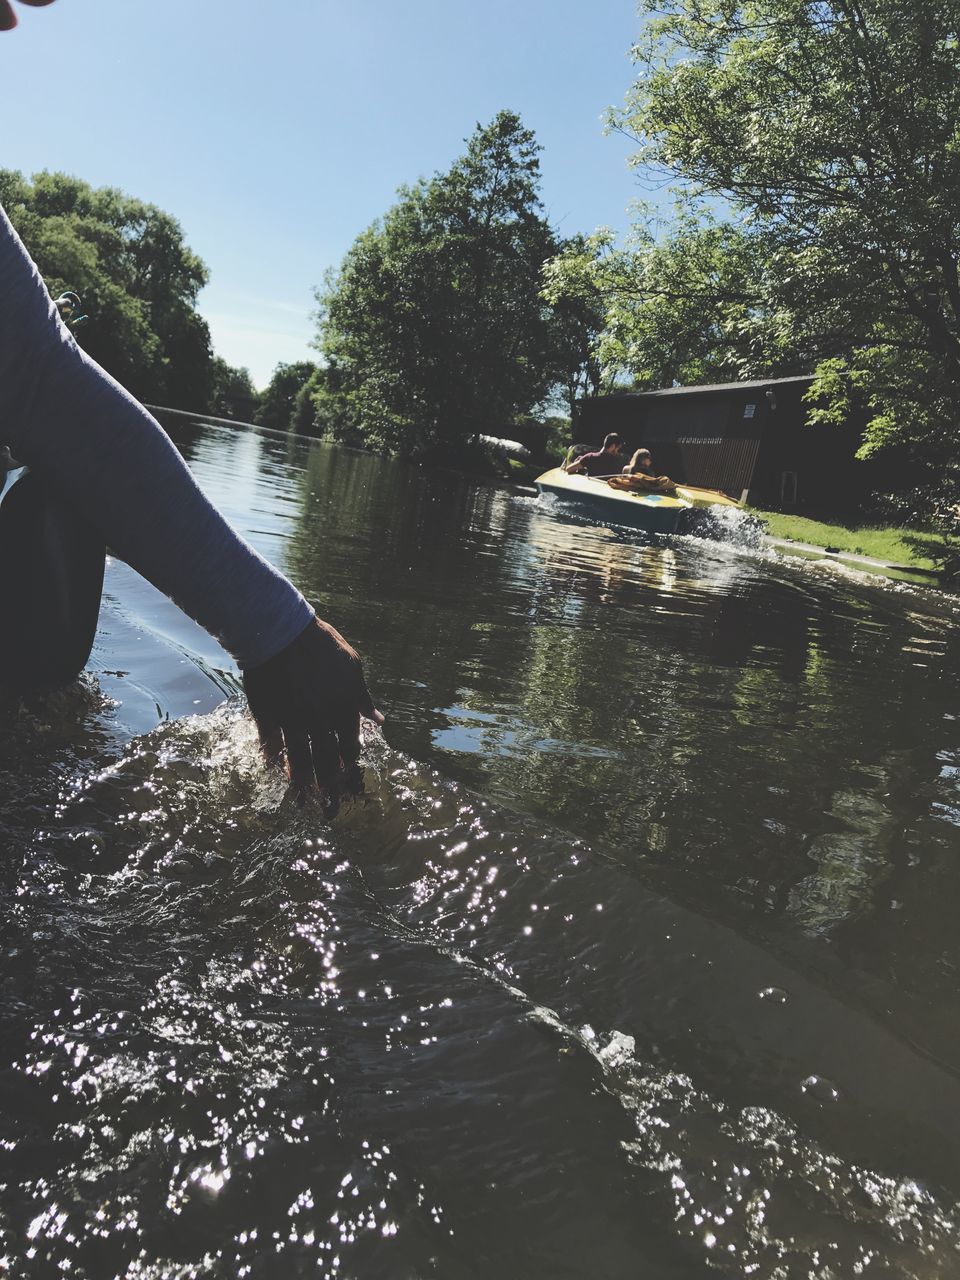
x=639, y=958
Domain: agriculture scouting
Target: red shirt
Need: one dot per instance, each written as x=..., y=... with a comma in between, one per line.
x=601, y=463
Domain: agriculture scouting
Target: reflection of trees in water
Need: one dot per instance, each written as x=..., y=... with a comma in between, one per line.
x=752, y=759
x=744, y=735
x=280, y=450
x=783, y=761
x=385, y=550
x=184, y=432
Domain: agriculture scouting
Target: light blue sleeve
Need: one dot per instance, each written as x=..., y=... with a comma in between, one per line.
x=70, y=422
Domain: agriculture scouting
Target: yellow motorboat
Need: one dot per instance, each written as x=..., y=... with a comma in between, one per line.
x=652, y=512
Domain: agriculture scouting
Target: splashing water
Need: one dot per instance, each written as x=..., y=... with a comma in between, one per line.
x=728, y=524
x=239, y=1042
x=652, y=970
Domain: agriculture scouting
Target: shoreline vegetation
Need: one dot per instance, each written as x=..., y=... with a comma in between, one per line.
x=916, y=550
x=922, y=550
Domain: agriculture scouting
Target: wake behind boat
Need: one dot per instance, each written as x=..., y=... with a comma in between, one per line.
x=652, y=512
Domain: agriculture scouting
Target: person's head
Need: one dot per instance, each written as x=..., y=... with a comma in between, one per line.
x=643, y=460
x=612, y=443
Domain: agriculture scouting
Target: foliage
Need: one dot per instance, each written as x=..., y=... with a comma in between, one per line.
x=433, y=329
x=576, y=321
x=233, y=394
x=305, y=420
x=681, y=308
x=333, y=404
x=558, y=438
x=832, y=129
x=280, y=398
x=138, y=280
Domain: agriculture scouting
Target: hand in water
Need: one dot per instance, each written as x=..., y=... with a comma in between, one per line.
x=307, y=701
x=8, y=19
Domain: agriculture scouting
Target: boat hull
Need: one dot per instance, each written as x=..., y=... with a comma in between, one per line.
x=651, y=512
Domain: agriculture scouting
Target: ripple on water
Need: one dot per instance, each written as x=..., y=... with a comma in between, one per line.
x=239, y=1042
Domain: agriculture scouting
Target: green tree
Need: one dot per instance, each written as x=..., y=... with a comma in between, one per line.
x=832, y=129
x=306, y=418
x=333, y=405
x=685, y=307
x=138, y=279
x=279, y=399
x=233, y=394
x=577, y=317
x=434, y=329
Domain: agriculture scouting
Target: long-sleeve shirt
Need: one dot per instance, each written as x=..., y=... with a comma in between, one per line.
x=601, y=463
x=72, y=424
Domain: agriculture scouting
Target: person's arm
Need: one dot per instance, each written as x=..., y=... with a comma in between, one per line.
x=63, y=416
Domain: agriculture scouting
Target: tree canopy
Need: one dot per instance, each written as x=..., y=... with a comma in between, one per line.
x=682, y=306
x=138, y=279
x=232, y=394
x=831, y=132
x=434, y=327
x=281, y=395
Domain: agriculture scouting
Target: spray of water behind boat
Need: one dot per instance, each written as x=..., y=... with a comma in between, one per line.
x=654, y=507
x=732, y=525
x=727, y=524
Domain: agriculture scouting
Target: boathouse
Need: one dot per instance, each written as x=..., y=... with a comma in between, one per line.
x=750, y=438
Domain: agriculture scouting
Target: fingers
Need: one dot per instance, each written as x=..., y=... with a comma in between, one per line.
x=326, y=755
x=271, y=745
x=365, y=702
x=267, y=720
x=347, y=726
x=313, y=756
x=299, y=758
x=369, y=711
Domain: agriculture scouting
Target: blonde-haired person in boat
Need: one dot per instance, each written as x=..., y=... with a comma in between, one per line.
x=639, y=476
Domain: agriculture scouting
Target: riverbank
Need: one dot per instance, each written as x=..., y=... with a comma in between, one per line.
x=916, y=549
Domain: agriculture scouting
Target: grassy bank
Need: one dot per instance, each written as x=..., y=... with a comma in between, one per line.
x=914, y=547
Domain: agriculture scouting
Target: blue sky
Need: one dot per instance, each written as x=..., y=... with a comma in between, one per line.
x=276, y=130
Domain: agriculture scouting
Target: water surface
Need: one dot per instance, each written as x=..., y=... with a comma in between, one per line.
x=639, y=958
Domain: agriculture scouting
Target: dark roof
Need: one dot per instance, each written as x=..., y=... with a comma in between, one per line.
x=759, y=385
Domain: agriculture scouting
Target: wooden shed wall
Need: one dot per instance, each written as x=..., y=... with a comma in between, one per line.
x=712, y=438
x=697, y=438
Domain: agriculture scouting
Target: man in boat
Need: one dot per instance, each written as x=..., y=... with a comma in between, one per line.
x=574, y=453
x=602, y=462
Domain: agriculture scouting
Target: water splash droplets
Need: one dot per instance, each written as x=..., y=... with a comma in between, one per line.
x=820, y=1089
x=773, y=995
